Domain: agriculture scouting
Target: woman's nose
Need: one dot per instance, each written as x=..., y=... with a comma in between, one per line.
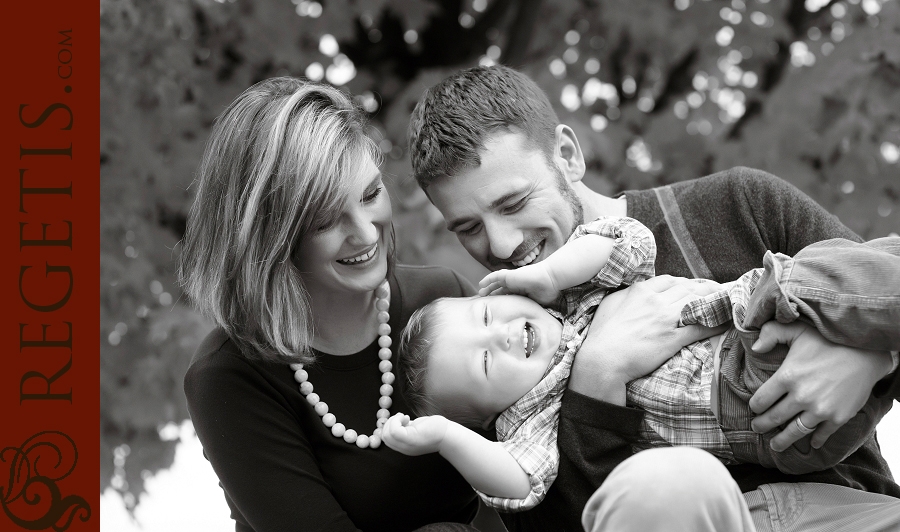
x=361, y=229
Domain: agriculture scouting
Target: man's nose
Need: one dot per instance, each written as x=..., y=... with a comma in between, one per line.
x=503, y=239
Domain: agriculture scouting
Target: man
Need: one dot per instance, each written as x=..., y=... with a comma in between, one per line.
x=488, y=150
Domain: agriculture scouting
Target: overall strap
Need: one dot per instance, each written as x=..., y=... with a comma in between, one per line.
x=689, y=250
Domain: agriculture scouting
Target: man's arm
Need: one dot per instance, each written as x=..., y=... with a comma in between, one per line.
x=485, y=464
x=828, y=382
x=634, y=331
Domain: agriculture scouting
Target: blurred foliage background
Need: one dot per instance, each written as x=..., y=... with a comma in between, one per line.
x=657, y=91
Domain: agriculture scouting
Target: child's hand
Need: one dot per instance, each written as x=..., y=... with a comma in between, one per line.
x=422, y=435
x=533, y=281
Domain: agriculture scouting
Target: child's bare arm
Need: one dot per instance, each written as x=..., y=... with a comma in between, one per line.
x=574, y=263
x=485, y=464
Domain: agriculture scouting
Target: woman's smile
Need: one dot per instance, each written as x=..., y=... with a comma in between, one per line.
x=362, y=258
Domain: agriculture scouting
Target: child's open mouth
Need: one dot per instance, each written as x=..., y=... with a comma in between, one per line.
x=529, y=339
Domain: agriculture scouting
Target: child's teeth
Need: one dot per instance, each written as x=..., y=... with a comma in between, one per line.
x=525, y=336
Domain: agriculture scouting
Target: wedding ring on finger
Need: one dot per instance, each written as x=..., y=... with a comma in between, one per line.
x=803, y=428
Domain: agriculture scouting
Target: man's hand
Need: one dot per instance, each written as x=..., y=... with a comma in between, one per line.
x=824, y=383
x=533, y=281
x=422, y=435
x=634, y=331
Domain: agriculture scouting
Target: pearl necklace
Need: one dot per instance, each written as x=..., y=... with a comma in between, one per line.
x=382, y=304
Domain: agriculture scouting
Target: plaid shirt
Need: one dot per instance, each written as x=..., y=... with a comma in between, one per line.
x=675, y=397
x=528, y=428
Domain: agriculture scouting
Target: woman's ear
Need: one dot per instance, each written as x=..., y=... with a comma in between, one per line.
x=568, y=154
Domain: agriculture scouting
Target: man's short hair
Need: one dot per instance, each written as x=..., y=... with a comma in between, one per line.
x=454, y=118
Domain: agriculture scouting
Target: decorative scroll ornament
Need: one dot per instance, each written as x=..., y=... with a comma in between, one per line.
x=31, y=498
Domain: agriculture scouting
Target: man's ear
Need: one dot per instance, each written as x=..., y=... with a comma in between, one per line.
x=569, y=155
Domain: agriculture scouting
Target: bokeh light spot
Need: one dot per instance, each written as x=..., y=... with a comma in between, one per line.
x=838, y=31
x=557, y=68
x=890, y=152
x=645, y=104
x=569, y=98
x=328, y=45
x=724, y=36
x=341, y=72
x=700, y=81
x=749, y=79
x=871, y=7
x=695, y=99
x=315, y=71
x=599, y=122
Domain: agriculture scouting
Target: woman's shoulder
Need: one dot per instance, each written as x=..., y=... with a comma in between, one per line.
x=419, y=285
x=438, y=278
x=218, y=357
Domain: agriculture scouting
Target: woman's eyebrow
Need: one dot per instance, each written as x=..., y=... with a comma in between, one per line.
x=378, y=176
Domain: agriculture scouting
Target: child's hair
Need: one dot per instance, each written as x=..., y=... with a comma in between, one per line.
x=452, y=121
x=414, y=351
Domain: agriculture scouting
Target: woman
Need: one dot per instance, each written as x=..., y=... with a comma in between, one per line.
x=289, y=250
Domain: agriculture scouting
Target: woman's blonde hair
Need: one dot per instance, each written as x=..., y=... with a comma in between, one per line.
x=278, y=165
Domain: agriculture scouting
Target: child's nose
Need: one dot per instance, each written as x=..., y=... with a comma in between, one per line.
x=500, y=335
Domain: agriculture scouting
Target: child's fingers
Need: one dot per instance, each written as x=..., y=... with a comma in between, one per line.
x=493, y=289
x=498, y=276
x=396, y=423
x=773, y=333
